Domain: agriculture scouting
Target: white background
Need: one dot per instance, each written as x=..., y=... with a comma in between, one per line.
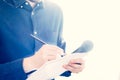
x=98, y=21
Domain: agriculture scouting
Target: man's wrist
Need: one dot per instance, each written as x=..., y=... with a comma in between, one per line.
x=28, y=65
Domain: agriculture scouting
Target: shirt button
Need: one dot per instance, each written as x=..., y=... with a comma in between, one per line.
x=38, y=4
x=32, y=13
x=26, y=3
x=35, y=32
x=21, y=6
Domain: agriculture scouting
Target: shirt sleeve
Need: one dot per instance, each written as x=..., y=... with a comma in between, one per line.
x=62, y=44
x=12, y=71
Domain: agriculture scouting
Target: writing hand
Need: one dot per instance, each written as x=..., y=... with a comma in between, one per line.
x=44, y=54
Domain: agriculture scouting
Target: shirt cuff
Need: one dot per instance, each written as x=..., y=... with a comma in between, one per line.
x=66, y=74
x=16, y=70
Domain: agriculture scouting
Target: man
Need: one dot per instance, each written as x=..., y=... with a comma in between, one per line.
x=20, y=53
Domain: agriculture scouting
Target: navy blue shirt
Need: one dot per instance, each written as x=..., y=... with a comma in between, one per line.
x=18, y=20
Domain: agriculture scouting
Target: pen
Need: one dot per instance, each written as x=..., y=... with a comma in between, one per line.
x=40, y=40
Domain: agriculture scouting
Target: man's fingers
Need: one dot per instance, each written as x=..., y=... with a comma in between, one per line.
x=74, y=69
x=53, y=47
x=75, y=65
x=49, y=58
x=79, y=60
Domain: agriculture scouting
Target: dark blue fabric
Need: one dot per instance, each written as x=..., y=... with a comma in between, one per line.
x=17, y=21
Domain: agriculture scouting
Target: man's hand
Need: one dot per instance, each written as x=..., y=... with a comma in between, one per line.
x=46, y=53
x=75, y=65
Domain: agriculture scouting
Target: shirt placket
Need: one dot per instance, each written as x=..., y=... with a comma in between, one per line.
x=33, y=11
x=35, y=26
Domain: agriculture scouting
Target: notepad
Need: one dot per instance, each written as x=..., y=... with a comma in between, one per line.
x=54, y=68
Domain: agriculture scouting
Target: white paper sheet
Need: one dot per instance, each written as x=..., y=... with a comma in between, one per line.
x=53, y=68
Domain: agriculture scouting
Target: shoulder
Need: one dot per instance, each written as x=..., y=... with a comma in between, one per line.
x=1, y=3
x=51, y=4
x=52, y=7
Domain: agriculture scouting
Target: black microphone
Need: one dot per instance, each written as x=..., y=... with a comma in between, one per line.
x=85, y=47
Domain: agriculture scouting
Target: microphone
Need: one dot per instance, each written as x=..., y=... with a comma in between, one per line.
x=85, y=47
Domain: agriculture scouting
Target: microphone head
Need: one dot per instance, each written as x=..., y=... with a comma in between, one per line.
x=85, y=47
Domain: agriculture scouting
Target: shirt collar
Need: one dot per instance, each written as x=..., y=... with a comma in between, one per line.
x=18, y=3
